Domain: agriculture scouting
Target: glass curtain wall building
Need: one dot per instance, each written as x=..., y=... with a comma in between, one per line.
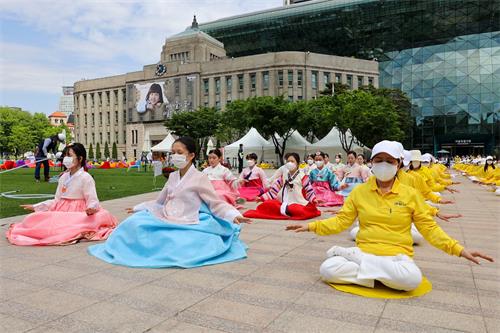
x=444, y=54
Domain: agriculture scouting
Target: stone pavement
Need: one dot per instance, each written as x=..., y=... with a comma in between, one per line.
x=277, y=289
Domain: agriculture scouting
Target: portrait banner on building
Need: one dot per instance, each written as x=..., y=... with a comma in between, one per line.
x=151, y=96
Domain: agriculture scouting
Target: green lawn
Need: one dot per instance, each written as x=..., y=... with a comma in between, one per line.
x=111, y=184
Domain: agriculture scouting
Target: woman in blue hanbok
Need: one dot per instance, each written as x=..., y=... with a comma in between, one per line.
x=325, y=183
x=187, y=226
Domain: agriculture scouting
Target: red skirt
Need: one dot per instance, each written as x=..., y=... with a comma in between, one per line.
x=327, y=197
x=251, y=190
x=270, y=210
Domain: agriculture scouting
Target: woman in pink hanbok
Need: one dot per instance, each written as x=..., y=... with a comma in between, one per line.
x=253, y=180
x=74, y=214
x=222, y=179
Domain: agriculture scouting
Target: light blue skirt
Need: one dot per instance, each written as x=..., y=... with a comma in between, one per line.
x=142, y=240
x=352, y=182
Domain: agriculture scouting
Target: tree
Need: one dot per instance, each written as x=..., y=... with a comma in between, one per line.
x=106, y=149
x=91, y=153
x=114, y=152
x=339, y=89
x=199, y=125
x=98, y=151
x=269, y=115
x=21, y=140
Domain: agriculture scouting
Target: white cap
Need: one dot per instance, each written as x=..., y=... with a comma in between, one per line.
x=61, y=137
x=393, y=148
x=416, y=155
x=427, y=158
x=407, y=157
x=58, y=154
x=489, y=158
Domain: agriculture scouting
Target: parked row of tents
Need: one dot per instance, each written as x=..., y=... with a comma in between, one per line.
x=254, y=142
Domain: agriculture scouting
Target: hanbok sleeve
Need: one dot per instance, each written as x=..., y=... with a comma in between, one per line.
x=334, y=183
x=230, y=178
x=263, y=178
x=274, y=190
x=308, y=189
x=90, y=194
x=45, y=205
x=217, y=206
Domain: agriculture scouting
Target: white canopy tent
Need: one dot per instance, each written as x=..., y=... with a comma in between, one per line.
x=296, y=143
x=165, y=145
x=331, y=144
x=252, y=142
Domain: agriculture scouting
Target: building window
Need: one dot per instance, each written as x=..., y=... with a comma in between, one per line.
x=100, y=138
x=205, y=104
x=229, y=84
x=99, y=100
x=314, y=80
x=115, y=93
x=299, y=98
x=109, y=117
x=240, y=82
x=290, y=78
x=92, y=100
x=107, y=98
x=100, y=118
x=349, y=81
x=93, y=138
x=205, y=86
x=299, y=78
x=217, y=105
x=217, y=85
x=253, y=79
x=290, y=98
x=360, y=81
x=116, y=117
x=124, y=96
x=116, y=137
x=338, y=77
x=370, y=80
x=86, y=139
x=189, y=87
x=280, y=78
x=93, y=119
x=85, y=100
x=109, y=137
x=326, y=78
x=85, y=119
x=124, y=136
x=265, y=80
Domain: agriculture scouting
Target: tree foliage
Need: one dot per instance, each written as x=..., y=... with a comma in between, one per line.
x=114, y=152
x=90, y=153
x=98, y=151
x=106, y=150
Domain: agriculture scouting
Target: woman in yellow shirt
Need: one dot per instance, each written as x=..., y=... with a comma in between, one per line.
x=385, y=209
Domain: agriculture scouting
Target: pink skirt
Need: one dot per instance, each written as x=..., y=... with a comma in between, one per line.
x=251, y=190
x=225, y=191
x=65, y=223
x=327, y=197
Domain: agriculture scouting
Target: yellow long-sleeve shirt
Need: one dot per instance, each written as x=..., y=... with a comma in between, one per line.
x=420, y=185
x=415, y=181
x=429, y=179
x=385, y=221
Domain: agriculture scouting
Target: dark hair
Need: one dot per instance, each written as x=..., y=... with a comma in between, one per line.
x=338, y=156
x=188, y=142
x=361, y=156
x=215, y=152
x=295, y=156
x=352, y=153
x=155, y=88
x=326, y=155
x=486, y=165
x=320, y=153
x=252, y=156
x=79, y=151
x=311, y=156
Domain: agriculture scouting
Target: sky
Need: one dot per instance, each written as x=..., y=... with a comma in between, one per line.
x=47, y=44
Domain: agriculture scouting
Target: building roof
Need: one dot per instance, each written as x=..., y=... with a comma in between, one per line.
x=57, y=114
x=193, y=31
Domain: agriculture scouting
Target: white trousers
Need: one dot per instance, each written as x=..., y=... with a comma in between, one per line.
x=396, y=272
x=415, y=234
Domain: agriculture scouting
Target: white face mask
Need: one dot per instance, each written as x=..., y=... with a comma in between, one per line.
x=489, y=161
x=250, y=163
x=290, y=166
x=68, y=161
x=319, y=164
x=337, y=160
x=179, y=160
x=310, y=162
x=384, y=171
x=415, y=164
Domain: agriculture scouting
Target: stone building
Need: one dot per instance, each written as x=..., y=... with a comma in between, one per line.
x=194, y=71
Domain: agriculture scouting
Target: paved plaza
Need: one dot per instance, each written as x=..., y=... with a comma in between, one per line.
x=276, y=289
